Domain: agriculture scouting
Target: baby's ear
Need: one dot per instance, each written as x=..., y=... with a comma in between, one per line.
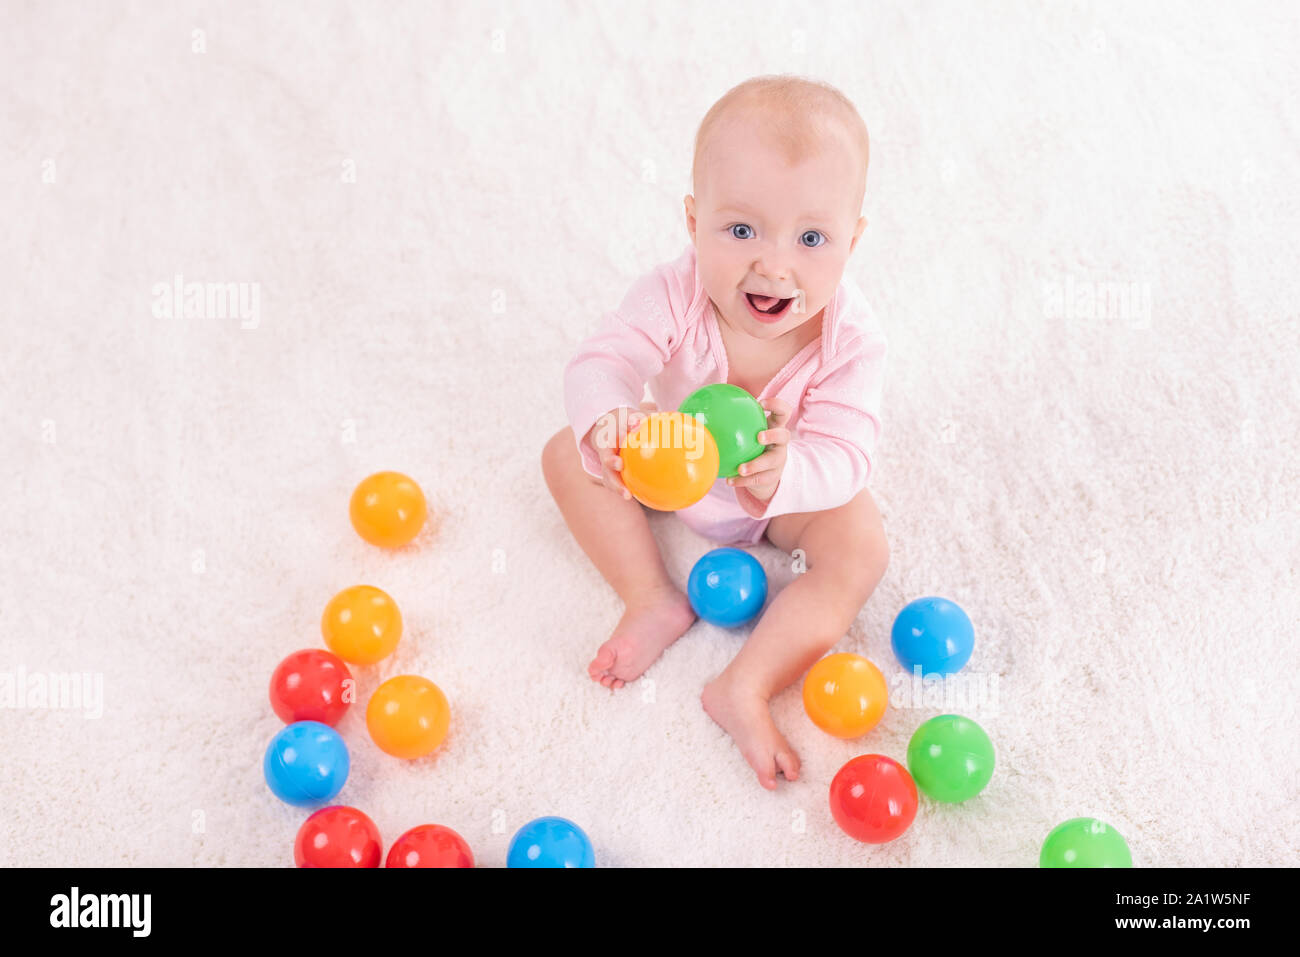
x=857, y=233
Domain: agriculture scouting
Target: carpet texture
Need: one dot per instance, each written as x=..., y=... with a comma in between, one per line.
x=1084, y=224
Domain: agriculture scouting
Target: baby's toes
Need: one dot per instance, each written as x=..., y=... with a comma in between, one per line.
x=765, y=768
x=603, y=661
x=788, y=762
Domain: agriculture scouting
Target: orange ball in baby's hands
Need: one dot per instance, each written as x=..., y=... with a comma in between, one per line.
x=670, y=461
x=388, y=509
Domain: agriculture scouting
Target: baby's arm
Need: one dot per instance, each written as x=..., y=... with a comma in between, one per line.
x=829, y=458
x=611, y=368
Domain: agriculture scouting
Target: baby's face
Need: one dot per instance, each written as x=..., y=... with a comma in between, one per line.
x=763, y=227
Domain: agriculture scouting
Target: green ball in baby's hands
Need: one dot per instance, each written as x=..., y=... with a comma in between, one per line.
x=734, y=419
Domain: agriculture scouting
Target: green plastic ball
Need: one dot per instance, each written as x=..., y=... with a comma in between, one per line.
x=734, y=418
x=951, y=758
x=1084, y=842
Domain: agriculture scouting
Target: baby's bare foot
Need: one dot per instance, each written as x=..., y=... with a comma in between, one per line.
x=647, y=627
x=746, y=717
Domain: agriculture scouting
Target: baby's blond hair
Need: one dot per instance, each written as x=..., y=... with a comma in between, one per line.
x=797, y=115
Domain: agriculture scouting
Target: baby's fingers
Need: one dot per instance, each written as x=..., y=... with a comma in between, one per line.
x=613, y=465
x=754, y=472
x=771, y=459
x=780, y=410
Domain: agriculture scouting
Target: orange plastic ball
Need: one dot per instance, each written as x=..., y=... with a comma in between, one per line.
x=408, y=716
x=361, y=625
x=845, y=695
x=388, y=509
x=670, y=461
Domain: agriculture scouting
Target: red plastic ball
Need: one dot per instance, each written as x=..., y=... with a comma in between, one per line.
x=310, y=685
x=873, y=798
x=430, y=845
x=338, y=836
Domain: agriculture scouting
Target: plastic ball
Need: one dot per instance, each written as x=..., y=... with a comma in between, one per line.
x=361, y=625
x=1084, y=842
x=338, y=836
x=670, y=461
x=430, y=845
x=550, y=842
x=873, y=799
x=734, y=418
x=727, y=587
x=306, y=763
x=388, y=509
x=934, y=634
x=951, y=758
x=845, y=695
x=408, y=716
x=311, y=685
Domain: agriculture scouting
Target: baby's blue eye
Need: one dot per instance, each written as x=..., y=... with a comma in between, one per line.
x=741, y=226
x=814, y=245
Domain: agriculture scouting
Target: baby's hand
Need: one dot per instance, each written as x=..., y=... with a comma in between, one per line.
x=762, y=475
x=605, y=432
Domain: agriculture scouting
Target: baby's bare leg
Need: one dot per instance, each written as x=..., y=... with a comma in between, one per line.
x=846, y=555
x=616, y=536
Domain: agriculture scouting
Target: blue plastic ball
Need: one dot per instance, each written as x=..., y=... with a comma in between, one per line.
x=550, y=842
x=306, y=763
x=727, y=587
x=935, y=634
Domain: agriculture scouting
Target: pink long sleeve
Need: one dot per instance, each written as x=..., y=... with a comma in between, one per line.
x=632, y=344
x=829, y=456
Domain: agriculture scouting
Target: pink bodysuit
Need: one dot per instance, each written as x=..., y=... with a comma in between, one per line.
x=665, y=333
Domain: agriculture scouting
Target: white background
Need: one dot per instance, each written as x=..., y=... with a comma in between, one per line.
x=1112, y=499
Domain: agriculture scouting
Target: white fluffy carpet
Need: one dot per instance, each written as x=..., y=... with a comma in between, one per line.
x=437, y=202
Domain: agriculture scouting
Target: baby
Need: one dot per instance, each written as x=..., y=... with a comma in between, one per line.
x=757, y=300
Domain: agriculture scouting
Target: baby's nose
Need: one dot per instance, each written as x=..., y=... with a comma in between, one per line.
x=773, y=270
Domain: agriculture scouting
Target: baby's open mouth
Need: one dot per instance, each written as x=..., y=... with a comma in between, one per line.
x=768, y=304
